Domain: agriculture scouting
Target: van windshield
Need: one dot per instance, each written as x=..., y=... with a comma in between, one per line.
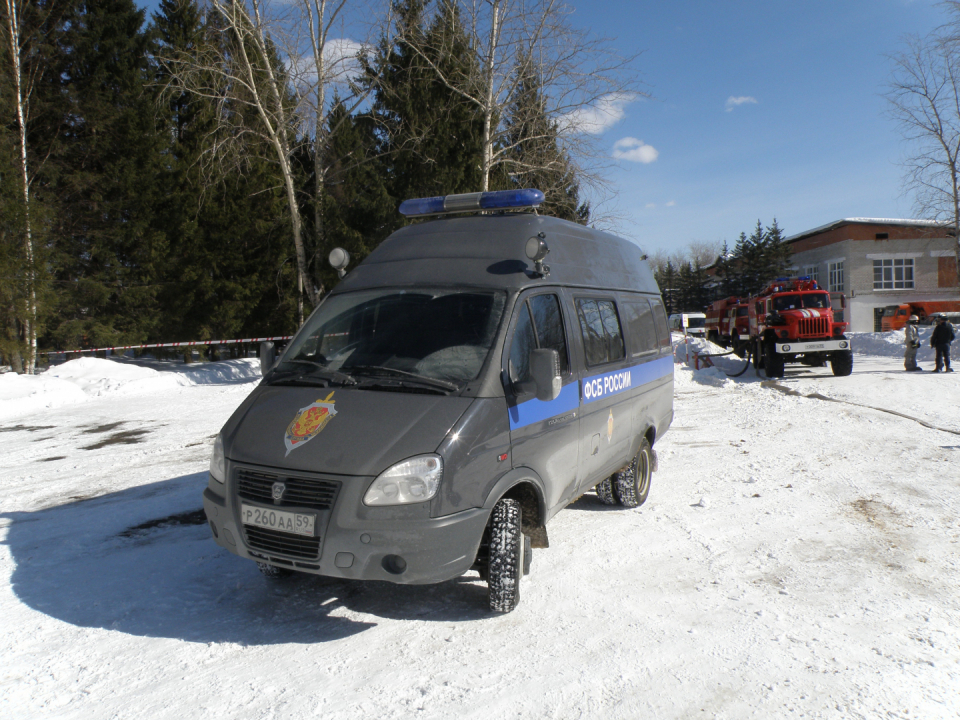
x=696, y=322
x=428, y=333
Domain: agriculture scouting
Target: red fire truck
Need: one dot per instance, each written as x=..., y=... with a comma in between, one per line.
x=728, y=321
x=792, y=321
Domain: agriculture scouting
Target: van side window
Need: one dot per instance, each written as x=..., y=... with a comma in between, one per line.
x=539, y=325
x=642, y=333
x=600, y=326
x=548, y=323
x=660, y=319
x=524, y=340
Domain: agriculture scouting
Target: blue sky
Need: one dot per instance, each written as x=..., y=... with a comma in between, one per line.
x=814, y=146
x=806, y=142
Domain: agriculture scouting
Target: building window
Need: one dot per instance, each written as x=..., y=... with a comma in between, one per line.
x=812, y=272
x=836, y=276
x=893, y=274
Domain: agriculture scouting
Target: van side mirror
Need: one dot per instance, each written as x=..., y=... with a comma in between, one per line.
x=268, y=356
x=545, y=371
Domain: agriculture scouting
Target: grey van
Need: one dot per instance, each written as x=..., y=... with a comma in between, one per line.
x=469, y=379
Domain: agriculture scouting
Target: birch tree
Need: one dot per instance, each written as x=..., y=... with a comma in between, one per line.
x=20, y=45
x=283, y=61
x=924, y=100
x=240, y=71
x=516, y=40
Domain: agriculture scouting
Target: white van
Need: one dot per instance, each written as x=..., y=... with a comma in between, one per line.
x=694, y=323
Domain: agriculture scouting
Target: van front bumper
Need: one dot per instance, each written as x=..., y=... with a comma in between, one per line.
x=406, y=550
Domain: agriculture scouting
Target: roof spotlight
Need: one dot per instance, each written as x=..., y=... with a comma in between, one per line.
x=537, y=250
x=339, y=259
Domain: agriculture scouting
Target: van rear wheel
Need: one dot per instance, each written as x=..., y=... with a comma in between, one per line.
x=605, y=492
x=633, y=482
x=506, y=562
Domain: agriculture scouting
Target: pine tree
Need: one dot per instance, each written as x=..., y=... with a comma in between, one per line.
x=534, y=158
x=108, y=243
x=430, y=141
x=229, y=271
x=358, y=210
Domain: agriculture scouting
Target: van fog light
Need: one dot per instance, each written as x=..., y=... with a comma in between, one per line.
x=786, y=348
x=412, y=481
x=843, y=344
x=394, y=564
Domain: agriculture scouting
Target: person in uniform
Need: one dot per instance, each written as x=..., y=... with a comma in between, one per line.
x=912, y=341
x=940, y=340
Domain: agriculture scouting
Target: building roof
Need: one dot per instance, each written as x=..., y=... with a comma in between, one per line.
x=867, y=221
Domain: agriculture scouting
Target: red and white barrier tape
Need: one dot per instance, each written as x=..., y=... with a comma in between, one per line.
x=190, y=343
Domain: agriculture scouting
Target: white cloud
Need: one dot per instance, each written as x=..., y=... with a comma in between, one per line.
x=671, y=203
x=594, y=120
x=340, y=60
x=651, y=206
x=733, y=102
x=629, y=148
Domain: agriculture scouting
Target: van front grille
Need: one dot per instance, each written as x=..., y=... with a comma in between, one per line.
x=281, y=543
x=300, y=492
x=815, y=327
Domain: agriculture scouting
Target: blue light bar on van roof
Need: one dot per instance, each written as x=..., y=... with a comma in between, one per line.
x=471, y=202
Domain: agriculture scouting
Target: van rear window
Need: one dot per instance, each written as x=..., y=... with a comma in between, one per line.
x=641, y=330
x=660, y=319
x=600, y=326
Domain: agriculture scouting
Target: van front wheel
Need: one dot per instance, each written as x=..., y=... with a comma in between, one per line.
x=505, y=567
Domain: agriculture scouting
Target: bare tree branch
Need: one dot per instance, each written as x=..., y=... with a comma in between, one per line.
x=924, y=100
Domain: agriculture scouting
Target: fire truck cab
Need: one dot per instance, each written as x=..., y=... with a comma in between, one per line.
x=792, y=320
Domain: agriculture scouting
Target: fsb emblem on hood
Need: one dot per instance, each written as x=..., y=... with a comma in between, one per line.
x=308, y=423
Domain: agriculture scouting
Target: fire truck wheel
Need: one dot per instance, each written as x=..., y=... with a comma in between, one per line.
x=633, y=482
x=757, y=356
x=605, y=492
x=772, y=360
x=841, y=362
x=273, y=572
x=506, y=556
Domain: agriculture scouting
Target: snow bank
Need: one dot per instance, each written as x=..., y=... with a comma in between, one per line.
x=890, y=344
x=21, y=394
x=96, y=377
x=85, y=378
x=879, y=344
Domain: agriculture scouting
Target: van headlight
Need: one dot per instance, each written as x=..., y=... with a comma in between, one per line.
x=217, y=463
x=412, y=481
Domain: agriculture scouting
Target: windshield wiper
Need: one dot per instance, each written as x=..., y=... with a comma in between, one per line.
x=319, y=372
x=403, y=374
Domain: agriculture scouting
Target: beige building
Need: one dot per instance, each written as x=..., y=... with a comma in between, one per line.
x=878, y=262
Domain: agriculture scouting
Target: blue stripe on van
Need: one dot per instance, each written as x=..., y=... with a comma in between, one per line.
x=613, y=383
x=534, y=411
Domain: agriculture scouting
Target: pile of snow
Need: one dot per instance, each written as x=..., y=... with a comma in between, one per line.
x=79, y=380
x=890, y=344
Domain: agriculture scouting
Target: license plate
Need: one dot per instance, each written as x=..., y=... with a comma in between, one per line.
x=296, y=523
x=817, y=346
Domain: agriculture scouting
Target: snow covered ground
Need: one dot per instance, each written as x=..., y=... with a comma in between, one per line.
x=799, y=556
